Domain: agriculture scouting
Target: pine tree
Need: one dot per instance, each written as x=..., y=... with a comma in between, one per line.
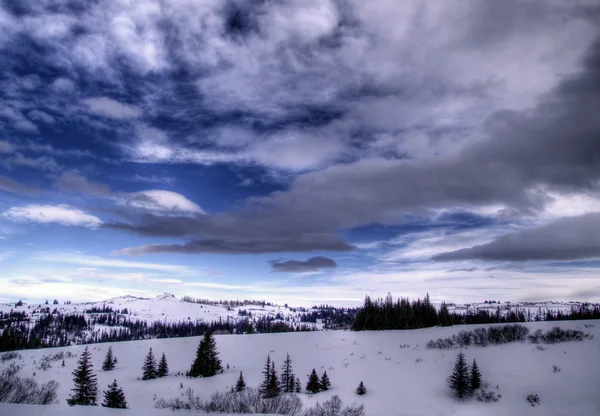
x=149, y=367
x=109, y=360
x=86, y=386
x=241, y=384
x=114, y=397
x=274, y=387
x=475, y=378
x=288, y=378
x=361, y=389
x=444, y=315
x=298, y=385
x=207, y=362
x=459, y=379
x=163, y=367
x=264, y=386
x=313, y=385
x=325, y=383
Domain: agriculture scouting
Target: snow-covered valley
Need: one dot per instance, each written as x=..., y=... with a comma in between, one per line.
x=402, y=376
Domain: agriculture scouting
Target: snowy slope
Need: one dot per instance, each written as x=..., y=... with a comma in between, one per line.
x=161, y=308
x=407, y=381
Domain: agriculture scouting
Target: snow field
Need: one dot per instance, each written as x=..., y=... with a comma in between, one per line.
x=407, y=381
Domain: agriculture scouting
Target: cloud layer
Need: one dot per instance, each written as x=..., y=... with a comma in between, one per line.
x=311, y=264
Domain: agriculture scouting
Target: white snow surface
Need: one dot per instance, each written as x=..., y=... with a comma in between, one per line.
x=409, y=381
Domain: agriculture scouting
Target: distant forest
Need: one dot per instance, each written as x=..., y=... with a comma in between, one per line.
x=403, y=314
x=103, y=324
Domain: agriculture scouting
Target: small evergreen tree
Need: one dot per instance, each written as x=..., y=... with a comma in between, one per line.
x=287, y=375
x=361, y=389
x=114, y=397
x=475, y=378
x=459, y=379
x=298, y=385
x=163, y=367
x=86, y=386
x=109, y=361
x=149, y=367
x=241, y=384
x=325, y=383
x=313, y=385
x=207, y=362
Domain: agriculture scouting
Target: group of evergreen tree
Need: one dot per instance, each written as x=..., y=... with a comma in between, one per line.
x=85, y=391
x=207, y=362
x=465, y=379
x=151, y=369
x=402, y=314
x=270, y=387
x=316, y=385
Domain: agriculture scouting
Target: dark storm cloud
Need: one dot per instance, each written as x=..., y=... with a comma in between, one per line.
x=572, y=238
x=245, y=246
x=311, y=264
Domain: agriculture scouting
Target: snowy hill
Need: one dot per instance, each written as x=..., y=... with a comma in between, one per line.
x=403, y=378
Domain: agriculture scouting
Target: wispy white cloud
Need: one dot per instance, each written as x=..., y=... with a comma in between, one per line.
x=95, y=261
x=107, y=107
x=59, y=214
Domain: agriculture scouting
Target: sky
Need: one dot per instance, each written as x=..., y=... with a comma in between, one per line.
x=302, y=152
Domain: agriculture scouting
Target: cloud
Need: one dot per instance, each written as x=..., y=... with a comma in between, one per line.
x=245, y=246
x=160, y=201
x=74, y=181
x=46, y=214
x=571, y=238
x=43, y=163
x=311, y=264
x=96, y=261
x=10, y=185
x=6, y=147
x=169, y=180
x=106, y=107
x=37, y=115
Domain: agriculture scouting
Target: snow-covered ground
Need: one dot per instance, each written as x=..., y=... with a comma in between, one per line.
x=403, y=378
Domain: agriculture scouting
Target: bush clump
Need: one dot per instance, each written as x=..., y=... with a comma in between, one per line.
x=248, y=401
x=557, y=335
x=482, y=337
x=22, y=390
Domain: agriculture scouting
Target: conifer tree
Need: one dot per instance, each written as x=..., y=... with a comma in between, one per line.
x=109, y=361
x=298, y=385
x=207, y=362
x=288, y=378
x=313, y=385
x=361, y=389
x=459, y=379
x=325, y=383
x=163, y=367
x=274, y=387
x=264, y=386
x=114, y=397
x=241, y=384
x=86, y=386
x=149, y=367
x=475, y=378
x=444, y=315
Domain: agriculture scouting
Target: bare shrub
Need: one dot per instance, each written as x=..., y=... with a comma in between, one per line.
x=11, y=355
x=557, y=335
x=247, y=401
x=14, y=389
x=533, y=399
x=333, y=407
x=556, y=369
x=487, y=396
